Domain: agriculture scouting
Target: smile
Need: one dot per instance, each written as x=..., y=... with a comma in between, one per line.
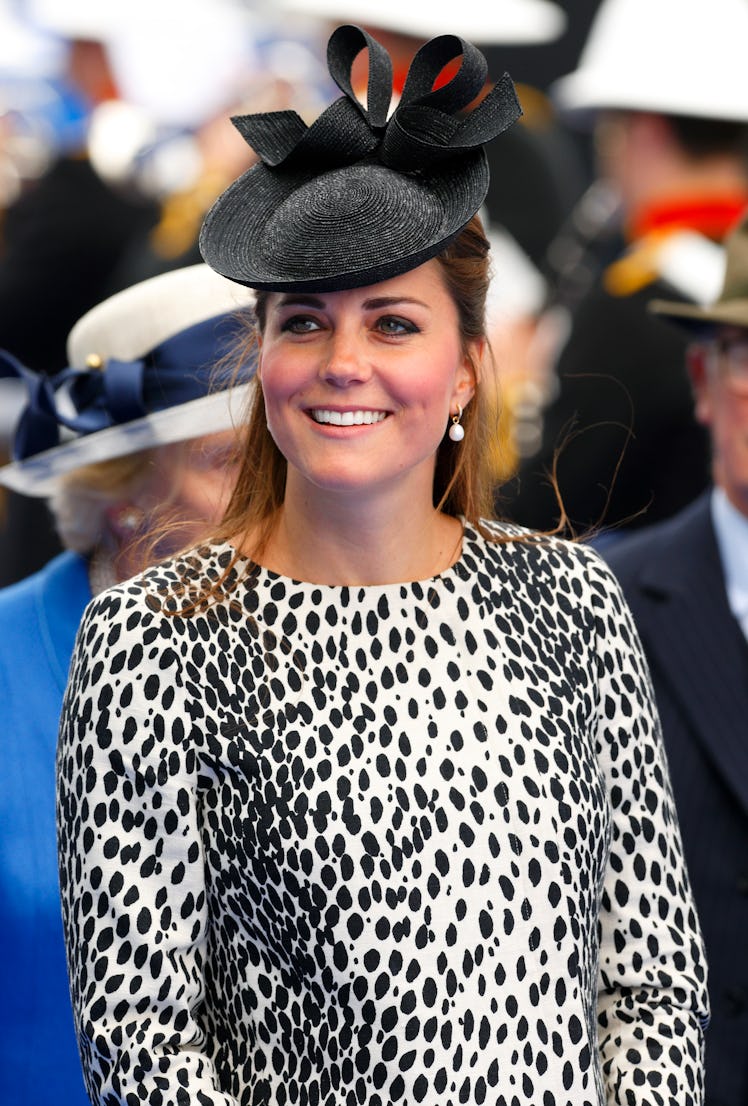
x=347, y=418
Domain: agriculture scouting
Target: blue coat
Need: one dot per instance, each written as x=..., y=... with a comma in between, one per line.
x=672, y=577
x=39, y=617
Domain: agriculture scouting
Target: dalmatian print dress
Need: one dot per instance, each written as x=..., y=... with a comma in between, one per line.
x=326, y=846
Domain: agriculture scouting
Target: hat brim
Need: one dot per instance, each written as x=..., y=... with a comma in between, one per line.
x=693, y=317
x=40, y=475
x=509, y=22
x=347, y=228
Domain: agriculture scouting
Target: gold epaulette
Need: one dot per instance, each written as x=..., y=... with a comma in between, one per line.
x=689, y=262
x=537, y=109
x=182, y=214
x=638, y=267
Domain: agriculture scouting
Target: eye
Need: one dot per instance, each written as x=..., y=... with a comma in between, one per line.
x=395, y=325
x=300, y=324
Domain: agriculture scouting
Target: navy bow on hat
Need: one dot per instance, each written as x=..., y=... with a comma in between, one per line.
x=113, y=393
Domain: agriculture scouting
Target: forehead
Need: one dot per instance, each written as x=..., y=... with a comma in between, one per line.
x=424, y=286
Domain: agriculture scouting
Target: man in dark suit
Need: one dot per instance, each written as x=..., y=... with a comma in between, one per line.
x=686, y=580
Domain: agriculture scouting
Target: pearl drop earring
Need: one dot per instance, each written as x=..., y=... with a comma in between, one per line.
x=456, y=432
x=130, y=518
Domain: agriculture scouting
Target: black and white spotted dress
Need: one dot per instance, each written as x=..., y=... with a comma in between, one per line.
x=402, y=844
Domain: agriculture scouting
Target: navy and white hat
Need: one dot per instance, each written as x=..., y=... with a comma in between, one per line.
x=151, y=365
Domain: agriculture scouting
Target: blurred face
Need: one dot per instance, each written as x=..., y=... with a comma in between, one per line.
x=188, y=488
x=359, y=385
x=719, y=371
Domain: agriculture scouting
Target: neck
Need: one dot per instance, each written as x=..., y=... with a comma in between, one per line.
x=338, y=540
x=112, y=561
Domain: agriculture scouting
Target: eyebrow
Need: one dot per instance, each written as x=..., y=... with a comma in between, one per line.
x=301, y=300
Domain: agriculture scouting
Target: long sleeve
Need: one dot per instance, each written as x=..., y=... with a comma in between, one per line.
x=131, y=864
x=652, y=1001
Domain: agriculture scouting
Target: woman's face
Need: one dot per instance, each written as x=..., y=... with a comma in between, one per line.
x=187, y=489
x=359, y=385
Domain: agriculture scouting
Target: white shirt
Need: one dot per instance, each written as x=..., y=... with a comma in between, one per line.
x=731, y=528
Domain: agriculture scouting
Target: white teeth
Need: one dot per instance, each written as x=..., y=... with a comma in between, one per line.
x=348, y=418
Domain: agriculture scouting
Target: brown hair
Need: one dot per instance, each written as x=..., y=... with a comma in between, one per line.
x=463, y=476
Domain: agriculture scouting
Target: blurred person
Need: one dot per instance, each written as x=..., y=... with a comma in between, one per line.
x=61, y=237
x=373, y=785
x=686, y=580
x=662, y=87
x=130, y=76
x=281, y=75
x=149, y=467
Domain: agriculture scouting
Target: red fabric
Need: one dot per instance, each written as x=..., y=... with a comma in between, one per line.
x=712, y=216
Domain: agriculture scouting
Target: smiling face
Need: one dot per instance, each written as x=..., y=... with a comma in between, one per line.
x=359, y=385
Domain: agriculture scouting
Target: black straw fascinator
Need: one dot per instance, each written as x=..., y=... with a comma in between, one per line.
x=358, y=197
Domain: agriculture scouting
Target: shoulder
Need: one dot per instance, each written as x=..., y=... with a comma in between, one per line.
x=688, y=263
x=155, y=600
x=53, y=581
x=669, y=540
x=569, y=571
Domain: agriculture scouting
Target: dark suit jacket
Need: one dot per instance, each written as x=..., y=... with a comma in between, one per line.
x=623, y=391
x=672, y=577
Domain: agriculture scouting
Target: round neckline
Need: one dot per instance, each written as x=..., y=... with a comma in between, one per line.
x=246, y=569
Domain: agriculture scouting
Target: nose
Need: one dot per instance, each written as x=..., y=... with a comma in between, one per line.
x=347, y=361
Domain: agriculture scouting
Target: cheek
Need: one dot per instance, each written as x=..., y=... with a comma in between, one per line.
x=205, y=494
x=279, y=381
x=429, y=382
x=729, y=433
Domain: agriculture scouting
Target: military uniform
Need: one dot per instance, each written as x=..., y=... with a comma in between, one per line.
x=622, y=417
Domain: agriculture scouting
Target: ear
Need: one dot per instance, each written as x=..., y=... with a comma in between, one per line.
x=125, y=520
x=467, y=377
x=696, y=363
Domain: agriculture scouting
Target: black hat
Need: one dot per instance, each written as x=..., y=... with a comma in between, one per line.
x=356, y=197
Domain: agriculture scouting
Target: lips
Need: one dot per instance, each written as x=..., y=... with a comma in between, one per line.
x=327, y=417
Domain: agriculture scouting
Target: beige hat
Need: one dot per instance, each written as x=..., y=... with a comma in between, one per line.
x=731, y=306
x=142, y=373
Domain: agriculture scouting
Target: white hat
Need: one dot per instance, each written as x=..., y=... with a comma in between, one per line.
x=501, y=21
x=142, y=373
x=675, y=57
x=181, y=60
x=25, y=51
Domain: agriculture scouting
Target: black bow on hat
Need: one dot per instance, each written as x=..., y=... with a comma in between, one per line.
x=356, y=197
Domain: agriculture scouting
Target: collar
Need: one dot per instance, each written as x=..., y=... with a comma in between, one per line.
x=731, y=531
x=712, y=216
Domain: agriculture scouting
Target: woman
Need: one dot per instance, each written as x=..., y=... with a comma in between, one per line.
x=365, y=801
x=151, y=353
